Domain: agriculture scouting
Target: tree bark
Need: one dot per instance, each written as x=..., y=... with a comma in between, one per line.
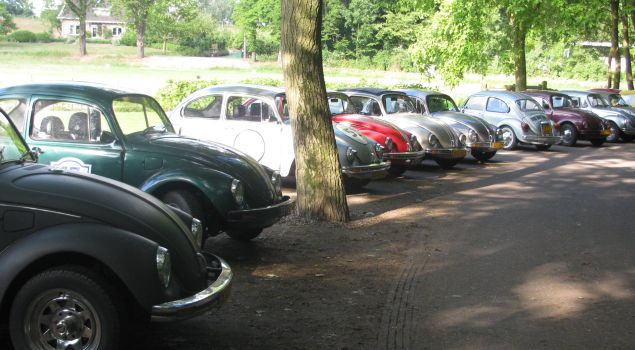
x=141, y=34
x=519, y=35
x=615, y=50
x=82, y=35
x=79, y=8
x=319, y=184
x=626, y=43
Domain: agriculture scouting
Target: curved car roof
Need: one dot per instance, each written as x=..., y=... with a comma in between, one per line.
x=372, y=91
x=544, y=93
x=422, y=93
x=509, y=95
x=79, y=89
x=579, y=92
x=247, y=89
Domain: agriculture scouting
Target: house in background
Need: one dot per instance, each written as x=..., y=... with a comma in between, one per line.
x=100, y=24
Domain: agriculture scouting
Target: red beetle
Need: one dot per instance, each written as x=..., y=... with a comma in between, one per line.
x=401, y=147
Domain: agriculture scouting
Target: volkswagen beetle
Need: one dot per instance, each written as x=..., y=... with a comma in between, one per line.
x=575, y=124
x=518, y=116
x=255, y=120
x=477, y=135
x=401, y=147
x=80, y=254
x=621, y=121
x=127, y=137
x=437, y=138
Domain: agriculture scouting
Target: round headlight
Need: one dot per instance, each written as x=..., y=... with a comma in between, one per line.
x=164, y=266
x=434, y=141
x=238, y=192
x=379, y=150
x=414, y=143
x=463, y=139
x=350, y=154
x=473, y=136
x=276, y=180
x=389, y=144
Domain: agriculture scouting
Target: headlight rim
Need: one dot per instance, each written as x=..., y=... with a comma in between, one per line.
x=237, y=190
x=164, y=266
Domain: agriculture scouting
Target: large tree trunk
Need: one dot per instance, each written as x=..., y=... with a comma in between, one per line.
x=520, y=64
x=627, y=51
x=82, y=35
x=615, y=50
x=141, y=36
x=319, y=185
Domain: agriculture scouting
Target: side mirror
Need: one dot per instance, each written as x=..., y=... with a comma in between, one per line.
x=35, y=153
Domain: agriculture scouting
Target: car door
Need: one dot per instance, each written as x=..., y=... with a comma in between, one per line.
x=475, y=107
x=495, y=111
x=75, y=136
x=201, y=118
x=255, y=128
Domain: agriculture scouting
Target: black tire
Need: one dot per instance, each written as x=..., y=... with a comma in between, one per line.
x=397, y=170
x=447, y=163
x=244, y=235
x=543, y=147
x=351, y=183
x=615, y=132
x=482, y=156
x=597, y=142
x=569, y=135
x=189, y=203
x=58, y=296
x=510, y=141
x=628, y=138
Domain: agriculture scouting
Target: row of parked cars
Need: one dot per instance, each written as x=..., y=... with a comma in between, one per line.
x=82, y=254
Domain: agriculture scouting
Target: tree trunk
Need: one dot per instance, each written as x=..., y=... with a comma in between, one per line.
x=627, y=51
x=82, y=35
x=520, y=64
x=319, y=184
x=164, y=48
x=141, y=34
x=615, y=50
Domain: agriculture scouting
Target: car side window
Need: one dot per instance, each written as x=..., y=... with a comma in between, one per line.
x=419, y=105
x=476, y=103
x=497, y=105
x=208, y=107
x=249, y=109
x=58, y=120
x=336, y=105
x=15, y=108
x=366, y=105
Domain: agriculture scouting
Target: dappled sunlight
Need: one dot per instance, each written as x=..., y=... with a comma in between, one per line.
x=473, y=316
x=550, y=291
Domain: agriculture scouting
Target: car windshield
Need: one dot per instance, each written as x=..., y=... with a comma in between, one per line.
x=397, y=103
x=596, y=101
x=140, y=114
x=561, y=102
x=12, y=147
x=283, y=108
x=441, y=103
x=616, y=100
x=340, y=104
x=527, y=105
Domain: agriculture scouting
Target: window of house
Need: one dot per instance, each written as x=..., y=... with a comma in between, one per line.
x=59, y=120
x=116, y=31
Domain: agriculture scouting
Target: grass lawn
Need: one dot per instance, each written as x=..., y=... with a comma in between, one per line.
x=118, y=66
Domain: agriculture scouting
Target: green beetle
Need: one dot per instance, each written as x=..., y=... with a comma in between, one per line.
x=127, y=137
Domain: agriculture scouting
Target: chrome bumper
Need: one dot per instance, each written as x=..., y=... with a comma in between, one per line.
x=404, y=155
x=540, y=140
x=209, y=298
x=372, y=171
x=486, y=146
x=447, y=153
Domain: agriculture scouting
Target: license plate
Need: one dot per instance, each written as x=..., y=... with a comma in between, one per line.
x=497, y=145
x=605, y=132
x=546, y=129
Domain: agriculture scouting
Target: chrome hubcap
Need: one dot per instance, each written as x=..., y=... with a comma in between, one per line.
x=508, y=137
x=567, y=135
x=62, y=320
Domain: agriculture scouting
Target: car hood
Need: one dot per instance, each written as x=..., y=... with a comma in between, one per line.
x=630, y=111
x=359, y=121
x=422, y=126
x=481, y=127
x=94, y=198
x=219, y=157
x=604, y=112
x=577, y=115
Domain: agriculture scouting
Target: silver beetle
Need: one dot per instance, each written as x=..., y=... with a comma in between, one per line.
x=620, y=116
x=518, y=116
x=255, y=120
x=437, y=138
x=480, y=137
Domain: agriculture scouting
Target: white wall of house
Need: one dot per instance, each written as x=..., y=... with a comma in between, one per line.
x=71, y=28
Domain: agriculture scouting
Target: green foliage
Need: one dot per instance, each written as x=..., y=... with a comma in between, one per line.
x=6, y=21
x=170, y=95
x=22, y=36
x=197, y=36
x=18, y=7
x=129, y=38
x=263, y=81
x=43, y=37
x=49, y=16
x=254, y=16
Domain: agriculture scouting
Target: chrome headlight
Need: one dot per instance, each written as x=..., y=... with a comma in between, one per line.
x=389, y=144
x=276, y=180
x=164, y=266
x=238, y=192
x=350, y=154
x=434, y=141
x=197, y=231
x=414, y=143
x=463, y=139
x=473, y=136
x=379, y=151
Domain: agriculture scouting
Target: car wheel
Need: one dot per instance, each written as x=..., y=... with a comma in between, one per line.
x=628, y=138
x=244, y=235
x=543, y=147
x=597, y=142
x=615, y=132
x=482, y=156
x=510, y=141
x=447, y=163
x=187, y=201
x=569, y=135
x=396, y=170
x=64, y=308
x=351, y=183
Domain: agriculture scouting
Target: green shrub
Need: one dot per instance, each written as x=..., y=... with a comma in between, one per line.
x=170, y=95
x=263, y=81
x=43, y=37
x=98, y=41
x=23, y=36
x=129, y=38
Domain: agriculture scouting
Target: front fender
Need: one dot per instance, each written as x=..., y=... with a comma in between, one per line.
x=131, y=257
x=215, y=185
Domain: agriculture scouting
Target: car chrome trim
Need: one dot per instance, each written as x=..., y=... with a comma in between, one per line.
x=404, y=155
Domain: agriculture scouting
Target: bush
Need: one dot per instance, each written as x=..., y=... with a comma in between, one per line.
x=129, y=38
x=173, y=93
x=23, y=36
x=43, y=37
x=263, y=81
x=98, y=41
